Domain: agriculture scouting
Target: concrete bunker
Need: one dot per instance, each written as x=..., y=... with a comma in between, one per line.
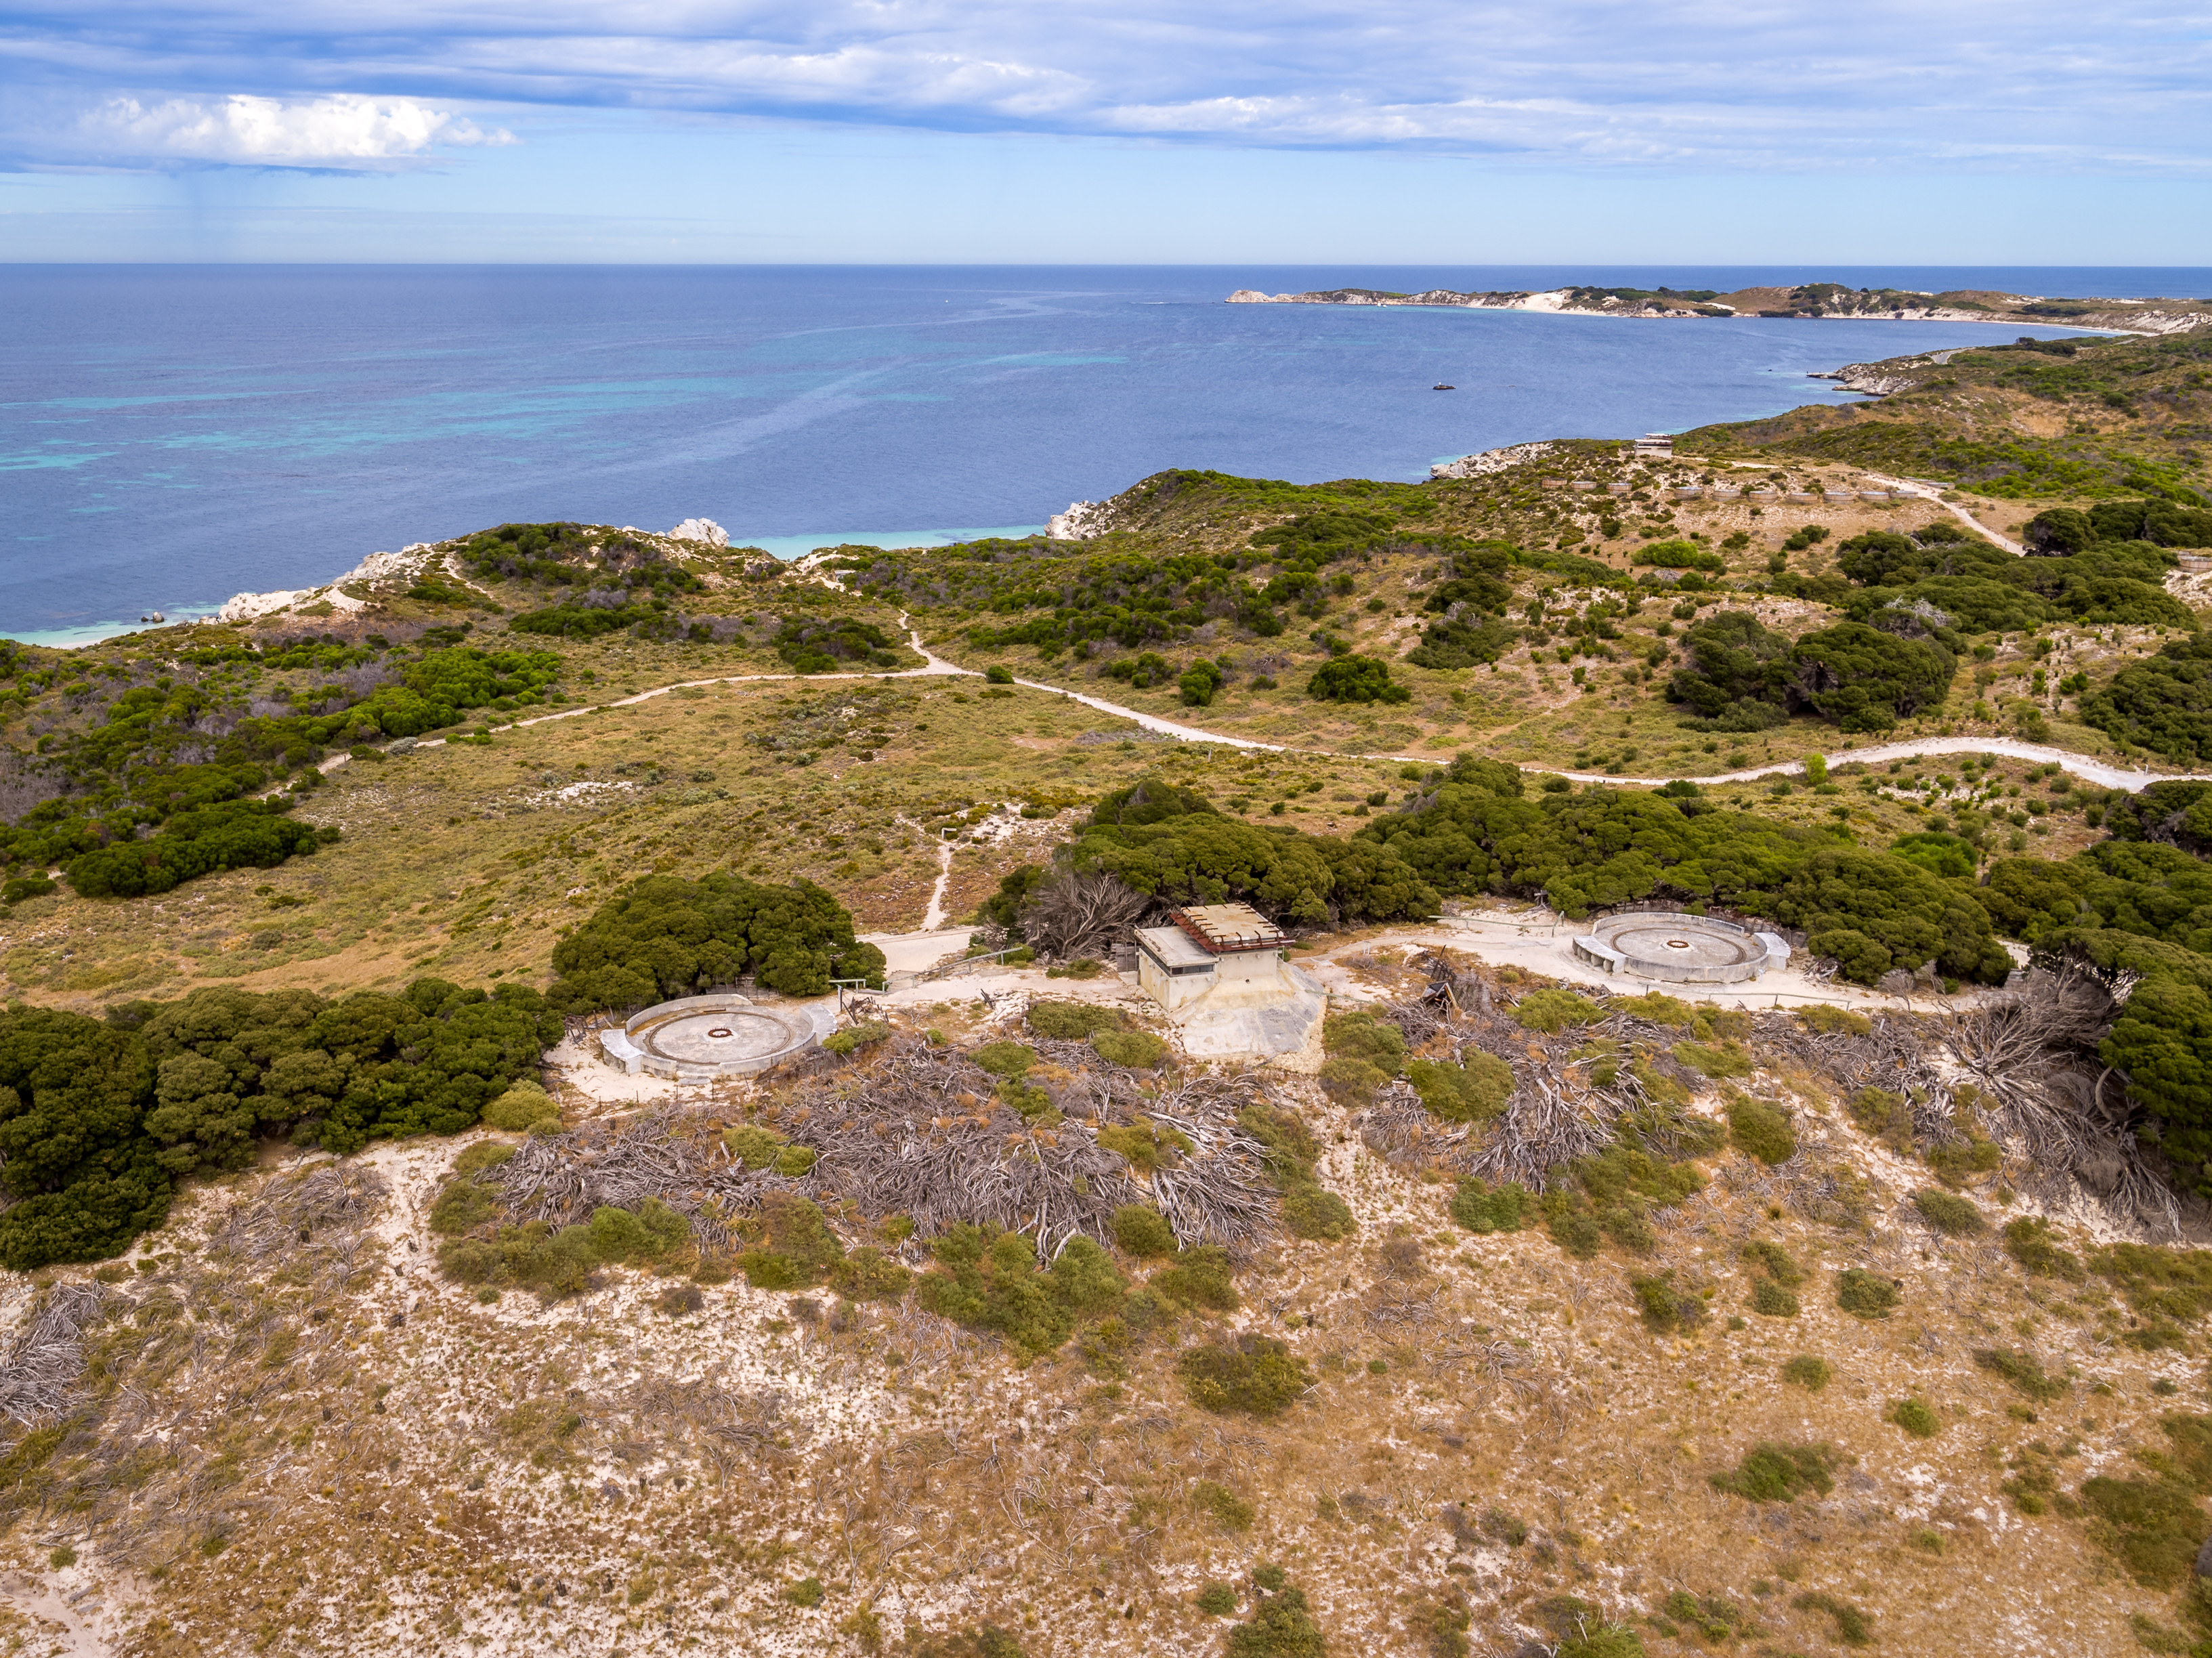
x=1220, y=971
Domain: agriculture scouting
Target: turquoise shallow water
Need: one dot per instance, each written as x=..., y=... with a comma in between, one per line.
x=169, y=437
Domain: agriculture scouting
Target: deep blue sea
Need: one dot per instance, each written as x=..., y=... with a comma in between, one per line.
x=170, y=435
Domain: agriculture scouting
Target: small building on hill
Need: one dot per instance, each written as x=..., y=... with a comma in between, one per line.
x=1221, y=973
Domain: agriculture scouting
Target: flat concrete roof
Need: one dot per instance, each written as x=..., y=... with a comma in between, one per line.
x=1175, y=950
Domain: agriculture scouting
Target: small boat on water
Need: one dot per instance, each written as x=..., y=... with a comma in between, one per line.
x=1441, y=387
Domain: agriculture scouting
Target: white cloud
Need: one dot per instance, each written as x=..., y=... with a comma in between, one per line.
x=345, y=130
x=2029, y=84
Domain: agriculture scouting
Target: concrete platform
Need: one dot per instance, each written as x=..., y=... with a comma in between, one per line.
x=1678, y=949
x=699, y=1038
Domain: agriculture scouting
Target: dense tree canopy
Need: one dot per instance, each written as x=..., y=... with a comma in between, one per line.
x=668, y=937
x=2162, y=703
x=1873, y=910
x=1865, y=679
x=1169, y=843
x=98, y=1119
x=1733, y=674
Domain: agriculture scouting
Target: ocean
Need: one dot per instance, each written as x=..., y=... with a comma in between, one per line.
x=170, y=435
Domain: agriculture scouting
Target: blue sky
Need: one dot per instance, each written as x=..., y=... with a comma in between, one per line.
x=1408, y=133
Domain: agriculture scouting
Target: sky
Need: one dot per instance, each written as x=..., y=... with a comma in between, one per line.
x=1204, y=131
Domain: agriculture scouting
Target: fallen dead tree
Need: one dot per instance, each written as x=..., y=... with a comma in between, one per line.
x=39, y=1372
x=921, y=1132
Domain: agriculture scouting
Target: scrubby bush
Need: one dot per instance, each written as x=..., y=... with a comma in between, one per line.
x=1198, y=1277
x=993, y=1282
x=1808, y=1372
x=524, y=1107
x=2152, y=1526
x=1553, y=1010
x=1216, y=1600
x=1144, y=1144
x=2031, y=1241
x=664, y=937
x=2021, y=1371
x=846, y=1042
x=1137, y=1050
x=1772, y=1472
x=233, y=834
x=1760, y=1130
x=1071, y=1021
x=1169, y=843
x=1482, y=1208
x=1853, y=1627
x=1949, y=1213
x=1770, y=1300
x=1865, y=1295
x=1666, y=1306
x=1143, y=1230
x=1834, y=1021
x=1473, y=1090
x=868, y=1275
x=1914, y=1416
x=790, y=1244
x=1257, y=1375
x=1309, y=1211
x=1281, y=1626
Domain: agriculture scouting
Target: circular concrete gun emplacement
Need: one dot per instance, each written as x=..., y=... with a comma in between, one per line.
x=698, y=1038
x=1679, y=948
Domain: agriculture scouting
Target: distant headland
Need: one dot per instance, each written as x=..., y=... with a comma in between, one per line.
x=1825, y=300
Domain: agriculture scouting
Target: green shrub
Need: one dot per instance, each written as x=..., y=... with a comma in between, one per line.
x=791, y=1244
x=2162, y=1283
x=1949, y=1213
x=1553, y=1010
x=1233, y=1511
x=1807, y=1372
x=524, y=1107
x=1144, y=1144
x=868, y=1275
x=1834, y=1021
x=1199, y=1277
x=2152, y=1526
x=1608, y=1641
x=1723, y=1060
x=1361, y=1035
x=1258, y=1374
x=463, y=1206
x=1666, y=1307
x=1281, y=1626
x=845, y=1043
x=1137, y=1050
x=2021, y=1371
x=1307, y=1210
x=806, y=1592
x=1351, y=1083
x=1771, y=1473
x=1864, y=1293
x=993, y=1282
x=1770, y=1300
x=1473, y=1090
x=1312, y=1212
x=1143, y=1231
x=2030, y=1240
x=1005, y=1059
x=1356, y=679
x=1760, y=1130
x=1887, y=1116
x=1216, y=1600
x=1916, y=1417
x=754, y=1146
x=1775, y=1262
x=998, y=674
x=1853, y=1627
x=1071, y=1021
x=1482, y=1208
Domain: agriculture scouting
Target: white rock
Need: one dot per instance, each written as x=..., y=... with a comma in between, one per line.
x=700, y=529
x=1074, y=524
